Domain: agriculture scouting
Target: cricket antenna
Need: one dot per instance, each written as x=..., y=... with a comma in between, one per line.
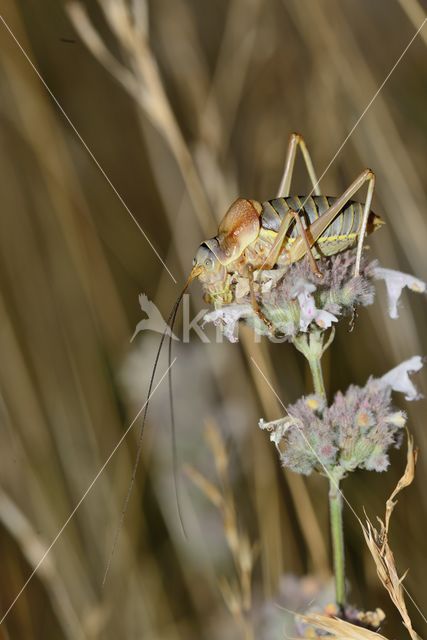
x=169, y=326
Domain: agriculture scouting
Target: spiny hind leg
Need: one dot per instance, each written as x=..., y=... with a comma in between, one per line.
x=319, y=226
x=362, y=233
x=295, y=141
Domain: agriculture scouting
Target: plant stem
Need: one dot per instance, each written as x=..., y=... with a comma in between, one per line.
x=317, y=374
x=313, y=348
x=337, y=536
x=335, y=498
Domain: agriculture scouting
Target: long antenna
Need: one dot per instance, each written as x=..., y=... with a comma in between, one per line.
x=169, y=325
x=173, y=433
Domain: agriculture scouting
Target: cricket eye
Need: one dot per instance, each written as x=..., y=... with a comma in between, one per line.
x=209, y=263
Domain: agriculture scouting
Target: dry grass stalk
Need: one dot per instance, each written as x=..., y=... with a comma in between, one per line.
x=338, y=628
x=237, y=596
x=378, y=544
x=415, y=13
x=321, y=119
x=138, y=72
x=33, y=548
x=142, y=80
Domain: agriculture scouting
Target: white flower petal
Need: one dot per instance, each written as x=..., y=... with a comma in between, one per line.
x=308, y=310
x=395, y=281
x=398, y=378
x=278, y=428
x=228, y=317
x=324, y=319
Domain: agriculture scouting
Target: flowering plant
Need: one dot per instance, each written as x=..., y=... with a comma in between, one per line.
x=358, y=428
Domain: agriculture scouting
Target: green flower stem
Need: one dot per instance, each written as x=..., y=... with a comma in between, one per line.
x=317, y=374
x=337, y=535
x=312, y=347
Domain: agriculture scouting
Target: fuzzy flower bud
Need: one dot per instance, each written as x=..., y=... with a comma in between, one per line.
x=355, y=431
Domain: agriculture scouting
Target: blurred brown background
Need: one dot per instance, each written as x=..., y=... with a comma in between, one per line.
x=197, y=112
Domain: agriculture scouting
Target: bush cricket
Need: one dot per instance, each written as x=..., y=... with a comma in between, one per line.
x=276, y=233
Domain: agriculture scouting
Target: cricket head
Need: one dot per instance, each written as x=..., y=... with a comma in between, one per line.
x=212, y=274
x=213, y=261
x=205, y=260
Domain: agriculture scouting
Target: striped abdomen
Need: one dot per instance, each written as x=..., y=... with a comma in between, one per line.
x=341, y=233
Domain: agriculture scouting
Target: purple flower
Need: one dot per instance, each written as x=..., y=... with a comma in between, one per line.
x=294, y=301
x=355, y=431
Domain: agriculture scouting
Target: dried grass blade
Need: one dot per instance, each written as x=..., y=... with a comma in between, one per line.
x=205, y=486
x=405, y=480
x=377, y=542
x=339, y=629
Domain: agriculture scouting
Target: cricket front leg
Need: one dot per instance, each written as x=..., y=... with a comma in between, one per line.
x=254, y=302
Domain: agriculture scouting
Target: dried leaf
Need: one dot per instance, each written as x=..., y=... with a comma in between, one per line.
x=377, y=541
x=339, y=629
x=216, y=444
x=405, y=480
x=231, y=597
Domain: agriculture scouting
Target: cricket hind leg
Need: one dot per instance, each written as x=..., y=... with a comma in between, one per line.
x=318, y=227
x=362, y=233
x=295, y=141
x=310, y=236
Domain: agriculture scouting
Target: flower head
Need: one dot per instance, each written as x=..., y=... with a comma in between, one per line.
x=294, y=300
x=355, y=431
